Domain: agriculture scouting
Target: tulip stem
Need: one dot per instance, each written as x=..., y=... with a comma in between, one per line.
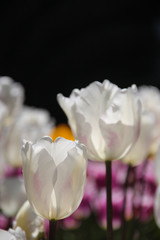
x=52, y=229
x=143, y=186
x=109, y=200
x=126, y=183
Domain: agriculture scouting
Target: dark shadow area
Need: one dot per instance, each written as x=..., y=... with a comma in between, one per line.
x=55, y=46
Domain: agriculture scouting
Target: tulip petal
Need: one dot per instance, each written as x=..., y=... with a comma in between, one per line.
x=12, y=234
x=120, y=124
x=18, y=233
x=38, y=182
x=61, y=148
x=66, y=104
x=29, y=222
x=119, y=139
x=47, y=143
x=71, y=177
x=143, y=142
x=81, y=107
x=6, y=235
x=95, y=146
x=88, y=107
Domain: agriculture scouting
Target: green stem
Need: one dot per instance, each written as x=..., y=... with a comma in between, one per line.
x=52, y=229
x=109, y=199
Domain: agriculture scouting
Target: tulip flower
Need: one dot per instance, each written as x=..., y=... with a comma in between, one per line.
x=62, y=130
x=33, y=123
x=16, y=234
x=12, y=96
x=3, y=114
x=11, y=101
x=107, y=120
x=13, y=195
x=103, y=117
x=54, y=175
x=29, y=222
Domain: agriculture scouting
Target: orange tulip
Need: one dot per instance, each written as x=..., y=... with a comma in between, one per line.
x=62, y=130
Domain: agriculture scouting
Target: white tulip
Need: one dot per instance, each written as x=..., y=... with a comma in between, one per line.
x=33, y=123
x=103, y=117
x=54, y=175
x=3, y=112
x=11, y=102
x=29, y=222
x=12, y=195
x=12, y=95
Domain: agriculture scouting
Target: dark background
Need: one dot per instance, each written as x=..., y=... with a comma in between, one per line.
x=55, y=46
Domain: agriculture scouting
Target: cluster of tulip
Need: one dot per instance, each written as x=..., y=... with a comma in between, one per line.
x=108, y=168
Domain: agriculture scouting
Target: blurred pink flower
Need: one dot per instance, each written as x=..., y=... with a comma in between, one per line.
x=3, y=222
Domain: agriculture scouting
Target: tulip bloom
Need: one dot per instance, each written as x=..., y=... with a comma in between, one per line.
x=33, y=123
x=12, y=96
x=13, y=195
x=62, y=130
x=11, y=101
x=103, y=117
x=29, y=222
x=54, y=175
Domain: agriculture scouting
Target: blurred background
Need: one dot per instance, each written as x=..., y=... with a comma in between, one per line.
x=55, y=46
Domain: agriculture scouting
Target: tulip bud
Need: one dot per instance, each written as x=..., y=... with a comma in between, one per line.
x=54, y=175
